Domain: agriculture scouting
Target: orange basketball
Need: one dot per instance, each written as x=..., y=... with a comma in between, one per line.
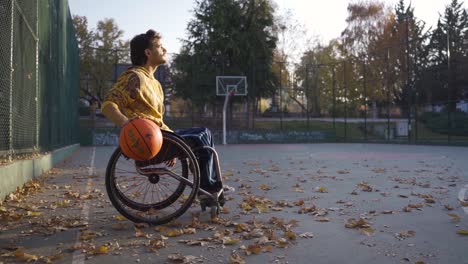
x=140, y=139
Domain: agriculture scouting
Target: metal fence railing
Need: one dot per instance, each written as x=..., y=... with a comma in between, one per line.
x=38, y=77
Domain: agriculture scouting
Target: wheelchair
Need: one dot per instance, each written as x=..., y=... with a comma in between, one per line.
x=156, y=193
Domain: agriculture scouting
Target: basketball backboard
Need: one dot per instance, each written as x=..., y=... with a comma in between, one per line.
x=228, y=84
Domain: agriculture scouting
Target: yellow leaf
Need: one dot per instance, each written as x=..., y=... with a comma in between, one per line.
x=103, y=249
x=321, y=189
x=262, y=208
x=119, y=217
x=290, y=235
x=34, y=214
x=230, y=241
x=368, y=231
x=246, y=206
x=265, y=187
x=462, y=232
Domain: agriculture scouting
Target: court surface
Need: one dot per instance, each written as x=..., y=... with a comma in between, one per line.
x=291, y=204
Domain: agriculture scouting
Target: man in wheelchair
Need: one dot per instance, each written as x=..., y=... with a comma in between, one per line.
x=138, y=94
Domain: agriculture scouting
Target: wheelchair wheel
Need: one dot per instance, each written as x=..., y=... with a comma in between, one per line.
x=156, y=193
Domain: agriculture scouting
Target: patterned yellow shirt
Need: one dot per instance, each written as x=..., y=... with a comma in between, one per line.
x=138, y=93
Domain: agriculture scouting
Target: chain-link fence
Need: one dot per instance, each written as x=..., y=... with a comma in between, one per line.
x=393, y=95
x=39, y=67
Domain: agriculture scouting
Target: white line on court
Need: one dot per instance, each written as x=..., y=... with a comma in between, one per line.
x=461, y=197
x=78, y=256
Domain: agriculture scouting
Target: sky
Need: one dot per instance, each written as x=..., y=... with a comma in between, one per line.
x=323, y=18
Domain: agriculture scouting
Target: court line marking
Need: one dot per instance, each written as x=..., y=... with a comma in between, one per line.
x=461, y=197
x=78, y=256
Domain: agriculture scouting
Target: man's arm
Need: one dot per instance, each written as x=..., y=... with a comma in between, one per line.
x=112, y=112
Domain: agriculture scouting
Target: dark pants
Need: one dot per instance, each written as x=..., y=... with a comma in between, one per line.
x=197, y=137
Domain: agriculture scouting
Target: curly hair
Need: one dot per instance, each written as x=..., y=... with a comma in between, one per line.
x=139, y=44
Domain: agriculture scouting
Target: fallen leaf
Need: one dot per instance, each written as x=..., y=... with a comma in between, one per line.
x=290, y=235
x=416, y=206
x=33, y=214
x=429, y=200
x=353, y=223
x=230, y=241
x=448, y=207
x=262, y=208
x=87, y=235
x=236, y=259
x=462, y=232
x=368, y=231
x=405, y=234
x=365, y=187
x=307, y=235
x=455, y=217
x=103, y=249
x=463, y=203
x=181, y=259
x=253, y=249
x=174, y=233
x=246, y=207
x=120, y=217
x=322, y=219
x=321, y=189
x=23, y=256
x=139, y=233
x=299, y=202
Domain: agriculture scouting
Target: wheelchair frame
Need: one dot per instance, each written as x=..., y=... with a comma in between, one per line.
x=189, y=163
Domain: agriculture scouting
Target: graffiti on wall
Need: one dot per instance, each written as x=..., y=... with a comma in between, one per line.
x=105, y=139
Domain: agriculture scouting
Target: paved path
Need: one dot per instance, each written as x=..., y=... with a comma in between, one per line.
x=291, y=205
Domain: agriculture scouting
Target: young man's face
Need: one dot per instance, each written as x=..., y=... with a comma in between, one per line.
x=156, y=54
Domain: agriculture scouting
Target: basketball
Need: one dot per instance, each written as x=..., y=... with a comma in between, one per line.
x=140, y=139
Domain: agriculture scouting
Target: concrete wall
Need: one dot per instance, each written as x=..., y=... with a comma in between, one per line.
x=18, y=173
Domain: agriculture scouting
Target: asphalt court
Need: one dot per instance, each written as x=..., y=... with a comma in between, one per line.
x=293, y=203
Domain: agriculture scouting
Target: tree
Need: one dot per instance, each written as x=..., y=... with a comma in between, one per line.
x=100, y=50
x=400, y=53
x=316, y=75
x=447, y=51
x=368, y=21
x=226, y=37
